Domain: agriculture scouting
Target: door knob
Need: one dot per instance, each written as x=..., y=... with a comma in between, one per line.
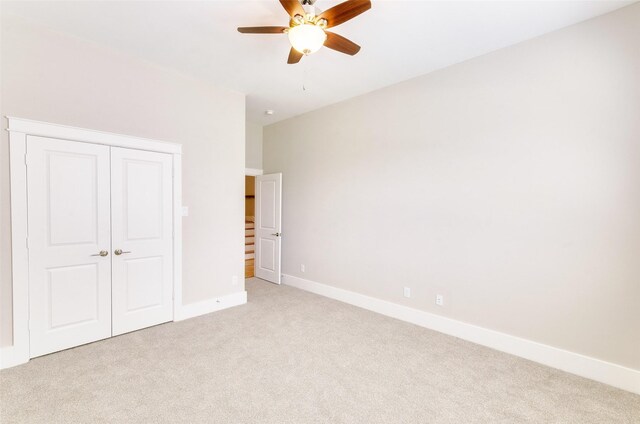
x=119, y=252
x=277, y=234
x=102, y=253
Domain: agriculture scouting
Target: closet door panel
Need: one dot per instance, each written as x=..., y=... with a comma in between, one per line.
x=142, y=236
x=69, y=225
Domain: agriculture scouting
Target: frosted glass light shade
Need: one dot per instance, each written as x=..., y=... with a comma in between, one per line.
x=307, y=38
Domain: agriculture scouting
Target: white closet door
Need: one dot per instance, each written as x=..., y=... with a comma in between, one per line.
x=68, y=219
x=142, y=239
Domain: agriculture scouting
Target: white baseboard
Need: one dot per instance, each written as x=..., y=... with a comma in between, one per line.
x=10, y=356
x=210, y=305
x=575, y=363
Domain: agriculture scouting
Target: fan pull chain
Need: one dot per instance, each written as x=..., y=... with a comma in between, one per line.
x=305, y=74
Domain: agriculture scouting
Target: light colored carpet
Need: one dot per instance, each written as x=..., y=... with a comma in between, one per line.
x=293, y=357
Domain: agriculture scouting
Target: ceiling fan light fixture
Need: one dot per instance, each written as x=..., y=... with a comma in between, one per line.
x=306, y=38
x=307, y=25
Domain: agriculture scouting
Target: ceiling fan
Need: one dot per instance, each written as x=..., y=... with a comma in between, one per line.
x=307, y=27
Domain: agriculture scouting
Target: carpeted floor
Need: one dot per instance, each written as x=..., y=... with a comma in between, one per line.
x=293, y=357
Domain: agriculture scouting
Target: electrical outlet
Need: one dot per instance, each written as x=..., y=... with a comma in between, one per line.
x=407, y=292
x=234, y=280
x=439, y=300
x=301, y=267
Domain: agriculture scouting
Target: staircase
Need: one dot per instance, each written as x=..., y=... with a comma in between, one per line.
x=249, y=248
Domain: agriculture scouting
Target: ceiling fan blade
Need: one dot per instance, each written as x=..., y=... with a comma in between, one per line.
x=294, y=56
x=345, y=11
x=341, y=44
x=293, y=7
x=262, y=30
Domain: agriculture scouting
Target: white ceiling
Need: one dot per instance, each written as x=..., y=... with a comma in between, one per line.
x=400, y=39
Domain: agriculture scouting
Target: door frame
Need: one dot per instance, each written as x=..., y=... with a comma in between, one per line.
x=19, y=129
x=253, y=172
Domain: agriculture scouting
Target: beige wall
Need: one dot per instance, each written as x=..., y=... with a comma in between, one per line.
x=253, y=152
x=52, y=77
x=509, y=183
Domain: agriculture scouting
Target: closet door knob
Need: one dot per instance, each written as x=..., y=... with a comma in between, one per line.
x=119, y=252
x=102, y=253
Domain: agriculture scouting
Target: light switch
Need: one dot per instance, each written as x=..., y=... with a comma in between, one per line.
x=185, y=211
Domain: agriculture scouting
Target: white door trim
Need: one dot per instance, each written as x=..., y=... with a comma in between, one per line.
x=252, y=172
x=19, y=129
x=18, y=353
x=83, y=135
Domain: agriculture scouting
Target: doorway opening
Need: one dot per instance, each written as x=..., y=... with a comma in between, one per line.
x=249, y=225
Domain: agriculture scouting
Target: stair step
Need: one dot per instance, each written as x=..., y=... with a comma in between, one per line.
x=249, y=247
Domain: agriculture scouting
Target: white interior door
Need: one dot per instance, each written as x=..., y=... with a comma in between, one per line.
x=142, y=239
x=68, y=220
x=268, y=227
